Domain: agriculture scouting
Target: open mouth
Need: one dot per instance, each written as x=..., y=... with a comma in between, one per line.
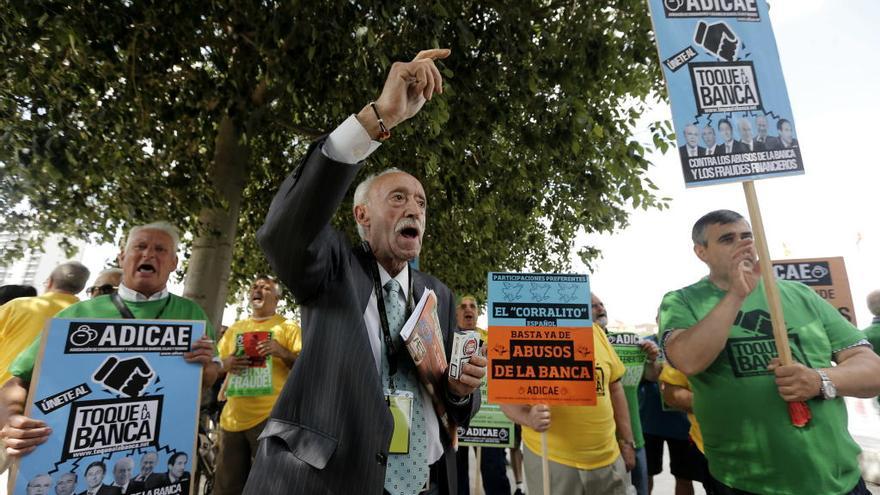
x=146, y=268
x=410, y=232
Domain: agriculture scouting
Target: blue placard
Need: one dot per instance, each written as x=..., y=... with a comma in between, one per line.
x=111, y=390
x=539, y=300
x=730, y=108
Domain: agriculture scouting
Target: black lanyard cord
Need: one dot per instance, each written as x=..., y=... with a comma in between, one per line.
x=127, y=314
x=390, y=348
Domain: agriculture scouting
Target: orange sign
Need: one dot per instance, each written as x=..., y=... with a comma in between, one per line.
x=541, y=365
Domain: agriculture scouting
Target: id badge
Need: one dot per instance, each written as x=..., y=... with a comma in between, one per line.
x=400, y=402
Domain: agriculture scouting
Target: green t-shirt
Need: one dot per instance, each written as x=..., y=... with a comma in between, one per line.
x=872, y=333
x=750, y=442
x=629, y=350
x=177, y=308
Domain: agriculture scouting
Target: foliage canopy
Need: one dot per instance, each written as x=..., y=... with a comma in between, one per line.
x=110, y=111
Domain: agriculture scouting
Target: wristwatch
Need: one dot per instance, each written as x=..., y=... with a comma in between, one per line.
x=827, y=388
x=631, y=443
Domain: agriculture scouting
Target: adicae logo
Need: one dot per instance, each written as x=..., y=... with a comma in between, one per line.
x=83, y=335
x=673, y=4
x=818, y=271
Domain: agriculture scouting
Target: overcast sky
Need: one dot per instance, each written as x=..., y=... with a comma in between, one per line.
x=828, y=52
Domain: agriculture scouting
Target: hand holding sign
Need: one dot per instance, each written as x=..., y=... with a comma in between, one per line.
x=539, y=417
x=471, y=377
x=22, y=434
x=235, y=364
x=796, y=382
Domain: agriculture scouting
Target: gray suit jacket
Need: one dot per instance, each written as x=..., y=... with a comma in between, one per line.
x=330, y=429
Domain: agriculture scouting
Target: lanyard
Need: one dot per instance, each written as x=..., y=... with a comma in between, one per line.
x=390, y=348
x=126, y=313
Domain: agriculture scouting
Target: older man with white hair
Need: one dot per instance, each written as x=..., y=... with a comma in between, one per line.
x=331, y=429
x=122, y=474
x=149, y=257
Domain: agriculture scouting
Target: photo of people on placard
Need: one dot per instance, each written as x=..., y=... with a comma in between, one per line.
x=127, y=475
x=737, y=135
x=95, y=473
x=176, y=473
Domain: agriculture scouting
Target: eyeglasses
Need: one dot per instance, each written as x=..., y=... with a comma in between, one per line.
x=100, y=290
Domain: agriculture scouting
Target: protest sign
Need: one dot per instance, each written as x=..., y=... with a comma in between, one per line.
x=256, y=378
x=826, y=276
x=628, y=347
x=113, y=392
x=489, y=427
x=541, y=346
x=730, y=106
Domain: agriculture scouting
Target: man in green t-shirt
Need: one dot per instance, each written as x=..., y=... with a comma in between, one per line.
x=718, y=332
x=639, y=356
x=872, y=333
x=149, y=257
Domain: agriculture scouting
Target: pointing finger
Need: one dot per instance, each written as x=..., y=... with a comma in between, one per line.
x=433, y=54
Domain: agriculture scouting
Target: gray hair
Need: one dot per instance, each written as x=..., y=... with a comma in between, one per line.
x=109, y=271
x=721, y=217
x=70, y=276
x=166, y=227
x=125, y=460
x=362, y=193
x=874, y=302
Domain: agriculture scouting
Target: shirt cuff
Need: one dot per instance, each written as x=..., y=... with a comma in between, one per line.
x=349, y=143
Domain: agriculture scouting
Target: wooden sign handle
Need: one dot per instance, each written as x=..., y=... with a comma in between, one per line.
x=545, y=463
x=477, y=484
x=798, y=411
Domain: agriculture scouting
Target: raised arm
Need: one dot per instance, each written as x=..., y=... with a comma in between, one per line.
x=692, y=350
x=296, y=237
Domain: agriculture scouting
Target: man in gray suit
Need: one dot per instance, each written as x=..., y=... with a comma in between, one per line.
x=331, y=428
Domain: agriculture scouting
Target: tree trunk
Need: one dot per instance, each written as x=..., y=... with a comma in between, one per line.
x=211, y=262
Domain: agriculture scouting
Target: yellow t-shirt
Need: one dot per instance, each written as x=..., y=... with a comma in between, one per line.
x=22, y=320
x=242, y=413
x=672, y=376
x=584, y=437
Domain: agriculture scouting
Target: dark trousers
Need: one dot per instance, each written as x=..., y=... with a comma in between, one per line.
x=715, y=487
x=493, y=471
x=234, y=458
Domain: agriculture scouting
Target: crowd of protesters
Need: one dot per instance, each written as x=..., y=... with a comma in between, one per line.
x=326, y=424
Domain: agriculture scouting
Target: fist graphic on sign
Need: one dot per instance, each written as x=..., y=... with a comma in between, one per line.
x=717, y=39
x=126, y=376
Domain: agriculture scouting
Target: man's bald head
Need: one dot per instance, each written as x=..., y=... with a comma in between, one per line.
x=874, y=302
x=70, y=277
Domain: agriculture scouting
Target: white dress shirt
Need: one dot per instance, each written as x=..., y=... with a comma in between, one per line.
x=133, y=296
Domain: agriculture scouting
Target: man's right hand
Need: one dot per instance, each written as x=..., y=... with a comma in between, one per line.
x=745, y=272
x=408, y=86
x=539, y=417
x=23, y=434
x=235, y=364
